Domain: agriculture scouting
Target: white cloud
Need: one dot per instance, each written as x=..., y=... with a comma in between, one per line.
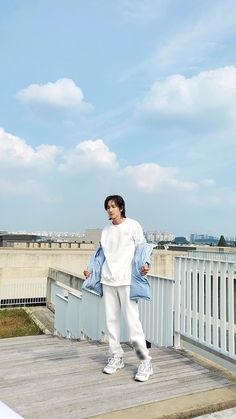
x=64, y=93
x=95, y=156
x=93, y=166
x=96, y=159
x=154, y=178
x=208, y=98
x=89, y=155
x=195, y=41
x=198, y=39
x=16, y=152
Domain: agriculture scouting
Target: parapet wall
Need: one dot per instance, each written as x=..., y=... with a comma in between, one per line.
x=43, y=245
x=24, y=272
x=163, y=262
x=30, y=267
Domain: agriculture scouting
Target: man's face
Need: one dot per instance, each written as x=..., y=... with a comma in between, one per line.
x=113, y=211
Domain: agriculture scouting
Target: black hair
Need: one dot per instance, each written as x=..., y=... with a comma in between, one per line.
x=119, y=201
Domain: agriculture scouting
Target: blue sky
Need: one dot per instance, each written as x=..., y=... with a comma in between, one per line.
x=134, y=97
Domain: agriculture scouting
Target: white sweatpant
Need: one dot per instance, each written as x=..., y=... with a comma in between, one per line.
x=117, y=299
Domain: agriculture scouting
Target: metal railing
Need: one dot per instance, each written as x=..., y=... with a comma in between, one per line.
x=224, y=256
x=198, y=304
x=204, y=303
x=18, y=293
x=82, y=315
x=157, y=315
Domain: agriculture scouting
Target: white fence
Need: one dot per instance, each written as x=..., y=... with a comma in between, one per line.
x=198, y=304
x=157, y=315
x=204, y=303
x=223, y=256
x=82, y=315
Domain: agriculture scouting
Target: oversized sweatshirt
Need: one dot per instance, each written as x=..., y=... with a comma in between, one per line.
x=118, y=242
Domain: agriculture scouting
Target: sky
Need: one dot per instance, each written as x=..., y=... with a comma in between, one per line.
x=128, y=97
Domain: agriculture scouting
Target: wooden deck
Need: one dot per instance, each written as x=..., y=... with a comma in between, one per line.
x=48, y=377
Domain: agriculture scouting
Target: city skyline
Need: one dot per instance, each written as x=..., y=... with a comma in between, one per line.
x=136, y=98
x=150, y=235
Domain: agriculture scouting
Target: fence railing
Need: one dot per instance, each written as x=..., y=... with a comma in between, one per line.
x=204, y=303
x=198, y=304
x=224, y=256
x=157, y=315
x=18, y=293
x=82, y=315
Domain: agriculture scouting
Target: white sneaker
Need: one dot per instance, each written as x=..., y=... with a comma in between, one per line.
x=113, y=365
x=144, y=371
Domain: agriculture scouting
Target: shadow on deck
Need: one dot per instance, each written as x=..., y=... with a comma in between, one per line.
x=49, y=377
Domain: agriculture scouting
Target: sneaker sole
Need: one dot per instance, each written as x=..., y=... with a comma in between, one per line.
x=112, y=372
x=145, y=379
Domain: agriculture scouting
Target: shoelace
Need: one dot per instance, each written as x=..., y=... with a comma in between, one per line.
x=143, y=367
x=111, y=361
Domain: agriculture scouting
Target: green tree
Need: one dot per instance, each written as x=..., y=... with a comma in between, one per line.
x=222, y=242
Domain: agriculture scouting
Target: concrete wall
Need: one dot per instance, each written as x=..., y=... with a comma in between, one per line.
x=23, y=272
x=18, y=267
x=163, y=262
x=42, y=245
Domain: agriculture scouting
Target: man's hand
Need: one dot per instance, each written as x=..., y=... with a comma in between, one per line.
x=144, y=270
x=86, y=273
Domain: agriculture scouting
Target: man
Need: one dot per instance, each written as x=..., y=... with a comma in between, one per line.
x=119, y=241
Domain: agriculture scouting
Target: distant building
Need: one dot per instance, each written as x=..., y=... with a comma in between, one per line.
x=8, y=240
x=203, y=239
x=71, y=239
x=157, y=236
x=180, y=240
x=93, y=235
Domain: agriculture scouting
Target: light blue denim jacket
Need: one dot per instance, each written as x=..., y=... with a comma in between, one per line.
x=140, y=287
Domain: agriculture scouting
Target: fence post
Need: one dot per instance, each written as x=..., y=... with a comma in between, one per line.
x=177, y=303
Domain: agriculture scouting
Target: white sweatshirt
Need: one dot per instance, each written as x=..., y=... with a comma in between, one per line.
x=118, y=242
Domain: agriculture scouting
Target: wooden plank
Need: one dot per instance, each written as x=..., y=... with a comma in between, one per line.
x=47, y=377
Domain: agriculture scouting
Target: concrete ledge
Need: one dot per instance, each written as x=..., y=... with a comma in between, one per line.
x=209, y=364
x=37, y=321
x=183, y=407
x=208, y=353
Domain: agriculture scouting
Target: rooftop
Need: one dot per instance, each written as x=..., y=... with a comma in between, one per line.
x=51, y=377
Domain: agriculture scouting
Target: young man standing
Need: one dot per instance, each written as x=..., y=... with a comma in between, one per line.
x=118, y=241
